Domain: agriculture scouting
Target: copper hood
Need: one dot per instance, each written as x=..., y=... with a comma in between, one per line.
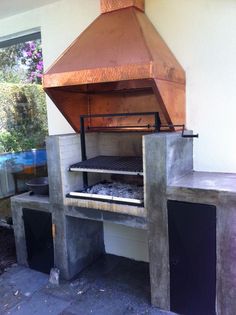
x=118, y=64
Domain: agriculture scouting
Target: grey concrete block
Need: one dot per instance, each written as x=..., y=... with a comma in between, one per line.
x=84, y=243
x=155, y=181
x=54, y=176
x=167, y=157
x=127, y=220
x=19, y=233
x=99, y=215
x=77, y=242
x=179, y=156
x=226, y=255
x=84, y=213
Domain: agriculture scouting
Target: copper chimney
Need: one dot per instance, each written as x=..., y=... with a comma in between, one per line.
x=118, y=64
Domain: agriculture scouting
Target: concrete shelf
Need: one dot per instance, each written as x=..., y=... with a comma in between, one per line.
x=107, y=206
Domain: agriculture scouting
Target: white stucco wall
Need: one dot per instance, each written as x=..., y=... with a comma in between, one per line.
x=202, y=36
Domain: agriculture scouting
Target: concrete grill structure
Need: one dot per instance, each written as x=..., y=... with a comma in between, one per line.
x=120, y=86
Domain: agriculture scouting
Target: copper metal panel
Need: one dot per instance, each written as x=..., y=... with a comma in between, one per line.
x=166, y=66
x=111, y=5
x=99, y=75
x=119, y=51
x=173, y=95
x=71, y=105
x=74, y=102
x=120, y=45
x=122, y=103
x=112, y=40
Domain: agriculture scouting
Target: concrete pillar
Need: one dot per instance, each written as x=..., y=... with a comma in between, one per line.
x=77, y=242
x=167, y=156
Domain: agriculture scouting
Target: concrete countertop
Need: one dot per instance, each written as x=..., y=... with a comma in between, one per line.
x=218, y=182
x=26, y=200
x=27, y=197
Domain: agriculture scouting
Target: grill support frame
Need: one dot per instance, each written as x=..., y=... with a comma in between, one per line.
x=156, y=126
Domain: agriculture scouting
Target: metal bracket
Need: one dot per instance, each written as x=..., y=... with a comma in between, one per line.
x=183, y=134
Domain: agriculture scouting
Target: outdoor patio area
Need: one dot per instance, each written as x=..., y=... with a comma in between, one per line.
x=108, y=287
x=117, y=175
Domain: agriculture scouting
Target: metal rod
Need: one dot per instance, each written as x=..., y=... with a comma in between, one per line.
x=157, y=121
x=121, y=127
x=172, y=126
x=120, y=115
x=83, y=149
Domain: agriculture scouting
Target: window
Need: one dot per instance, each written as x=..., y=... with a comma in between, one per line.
x=23, y=117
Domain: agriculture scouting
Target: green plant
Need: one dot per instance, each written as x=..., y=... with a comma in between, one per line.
x=23, y=117
x=8, y=142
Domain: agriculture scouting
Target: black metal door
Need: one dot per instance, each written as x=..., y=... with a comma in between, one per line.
x=39, y=240
x=192, y=250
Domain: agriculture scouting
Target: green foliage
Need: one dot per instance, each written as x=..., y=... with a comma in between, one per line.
x=9, y=55
x=22, y=63
x=8, y=142
x=10, y=70
x=23, y=117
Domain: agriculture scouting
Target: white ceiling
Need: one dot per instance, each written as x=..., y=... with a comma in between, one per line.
x=12, y=7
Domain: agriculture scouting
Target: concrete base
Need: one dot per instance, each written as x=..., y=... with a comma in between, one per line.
x=167, y=156
x=77, y=242
x=217, y=189
x=168, y=175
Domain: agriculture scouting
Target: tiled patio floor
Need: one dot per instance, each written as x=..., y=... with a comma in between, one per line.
x=114, y=286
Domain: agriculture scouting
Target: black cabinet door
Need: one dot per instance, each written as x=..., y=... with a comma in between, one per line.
x=192, y=250
x=39, y=240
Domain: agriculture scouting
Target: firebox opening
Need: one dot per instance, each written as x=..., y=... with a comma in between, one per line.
x=114, y=168
x=117, y=190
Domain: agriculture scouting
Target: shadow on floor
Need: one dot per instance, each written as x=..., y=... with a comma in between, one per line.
x=113, y=285
x=5, y=209
x=7, y=248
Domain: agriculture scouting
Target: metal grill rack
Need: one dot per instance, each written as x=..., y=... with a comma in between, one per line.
x=124, y=165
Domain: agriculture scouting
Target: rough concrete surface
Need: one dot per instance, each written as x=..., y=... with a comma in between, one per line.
x=217, y=189
x=113, y=285
x=166, y=157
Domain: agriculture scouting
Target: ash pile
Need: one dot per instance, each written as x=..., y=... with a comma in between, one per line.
x=117, y=189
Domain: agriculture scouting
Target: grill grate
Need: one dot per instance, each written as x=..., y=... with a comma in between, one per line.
x=132, y=165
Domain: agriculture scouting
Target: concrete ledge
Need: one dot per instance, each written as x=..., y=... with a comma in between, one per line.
x=207, y=181
x=106, y=216
x=32, y=202
x=106, y=206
